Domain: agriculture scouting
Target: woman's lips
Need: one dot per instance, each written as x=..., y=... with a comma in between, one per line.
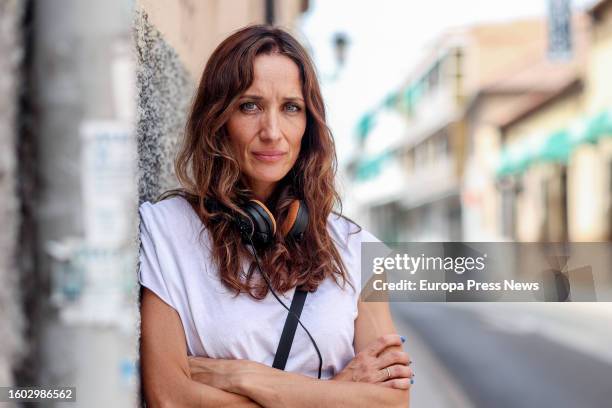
x=269, y=156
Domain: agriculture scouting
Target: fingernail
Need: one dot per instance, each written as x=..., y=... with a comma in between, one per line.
x=412, y=381
x=403, y=339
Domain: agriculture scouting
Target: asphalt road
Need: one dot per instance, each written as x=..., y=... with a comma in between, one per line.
x=502, y=368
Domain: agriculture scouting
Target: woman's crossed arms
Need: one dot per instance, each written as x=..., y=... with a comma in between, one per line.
x=378, y=376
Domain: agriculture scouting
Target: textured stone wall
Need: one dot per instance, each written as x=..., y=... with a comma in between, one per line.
x=11, y=316
x=164, y=90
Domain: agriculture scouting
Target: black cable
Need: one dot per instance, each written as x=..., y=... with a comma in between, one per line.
x=267, y=279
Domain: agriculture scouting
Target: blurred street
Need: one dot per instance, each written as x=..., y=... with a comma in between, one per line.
x=509, y=355
x=435, y=386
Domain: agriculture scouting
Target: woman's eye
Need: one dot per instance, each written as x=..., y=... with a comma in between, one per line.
x=248, y=107
x=292, y=107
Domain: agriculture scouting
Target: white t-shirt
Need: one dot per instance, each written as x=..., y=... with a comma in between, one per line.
x=177, y=266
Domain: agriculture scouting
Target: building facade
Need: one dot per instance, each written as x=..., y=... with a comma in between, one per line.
x=555, y=175
x=417, y=180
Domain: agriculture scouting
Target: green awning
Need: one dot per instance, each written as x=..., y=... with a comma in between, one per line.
x=578, y=132
x=365, y=125
x=514, y=159
x=406, y=102
x=606, y=130
x=592, y=129
x=555, y=148
x=370, y=167
x=391, y=100
x=600, y=126
x=418, y=89
x=410, y=95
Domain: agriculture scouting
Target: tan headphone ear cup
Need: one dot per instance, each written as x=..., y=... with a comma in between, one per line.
x=292, y=214
x=264, y=208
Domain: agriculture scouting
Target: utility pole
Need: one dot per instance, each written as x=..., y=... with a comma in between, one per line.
x=83, y=80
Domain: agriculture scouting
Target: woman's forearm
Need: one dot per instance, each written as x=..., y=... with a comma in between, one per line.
x=191, y=394
x=282, y=389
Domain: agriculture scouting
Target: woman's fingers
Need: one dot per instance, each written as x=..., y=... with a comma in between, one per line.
x=395, y=371
x=398, y=383
x=392, y=357
x=383, y=342
x=380, y=362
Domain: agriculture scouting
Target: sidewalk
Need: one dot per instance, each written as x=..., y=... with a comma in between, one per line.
x=586, y=327
x=434, y=387
x=515, y=355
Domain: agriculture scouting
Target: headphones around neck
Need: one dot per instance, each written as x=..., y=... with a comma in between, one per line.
x=258, y=228
x=259, y=225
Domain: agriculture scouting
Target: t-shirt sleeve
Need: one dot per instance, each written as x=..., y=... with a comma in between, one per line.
x=150, y=274
x=363, y=237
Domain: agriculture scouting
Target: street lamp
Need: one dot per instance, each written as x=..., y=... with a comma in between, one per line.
x=340, y=44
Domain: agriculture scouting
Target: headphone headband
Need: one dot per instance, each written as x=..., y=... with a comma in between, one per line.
x=259, y=225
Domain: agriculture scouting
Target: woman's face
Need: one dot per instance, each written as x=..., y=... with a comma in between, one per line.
x=266, y=129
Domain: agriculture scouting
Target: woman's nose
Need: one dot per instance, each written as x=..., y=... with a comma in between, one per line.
x=270, y=129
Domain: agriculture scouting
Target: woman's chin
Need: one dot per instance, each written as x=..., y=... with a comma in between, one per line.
x=269, y=175
x=268, y=179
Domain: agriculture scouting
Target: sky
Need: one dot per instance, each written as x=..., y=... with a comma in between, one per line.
x=387, y=39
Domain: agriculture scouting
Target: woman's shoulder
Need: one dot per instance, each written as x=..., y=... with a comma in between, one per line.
x=174, y=205
x=170, y=207
x=169, y=216
x=347, y=233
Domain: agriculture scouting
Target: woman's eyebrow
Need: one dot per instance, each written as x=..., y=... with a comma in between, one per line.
x=259, y=98
x=294, y=99
x=250, y=96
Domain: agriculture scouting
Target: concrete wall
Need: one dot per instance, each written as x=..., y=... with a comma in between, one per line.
x=164, y=89
x=194, y=28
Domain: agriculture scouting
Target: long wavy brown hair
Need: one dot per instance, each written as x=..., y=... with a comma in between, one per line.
x=208, y=173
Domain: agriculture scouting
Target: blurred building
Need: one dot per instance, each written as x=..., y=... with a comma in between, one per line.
x=503, y=110
x=555, y=170
x=414, y=178
x=406, y=174
x=501, y=133
x=590, y=181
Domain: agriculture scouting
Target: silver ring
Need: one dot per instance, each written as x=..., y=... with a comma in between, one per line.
x=388, y=373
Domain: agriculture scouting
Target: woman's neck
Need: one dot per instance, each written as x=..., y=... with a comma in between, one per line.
x=263, y=192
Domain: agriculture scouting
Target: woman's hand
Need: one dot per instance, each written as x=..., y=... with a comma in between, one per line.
x=380, y=363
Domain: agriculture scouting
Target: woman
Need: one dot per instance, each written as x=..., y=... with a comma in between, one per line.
x=210, y=322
